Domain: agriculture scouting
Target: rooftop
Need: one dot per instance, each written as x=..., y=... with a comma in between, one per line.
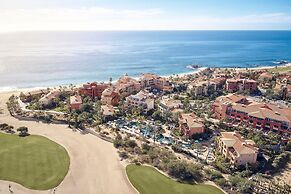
x=171, y=103
x=191, y=120
x=234, y=140
x=107, y=110
x=77, y=99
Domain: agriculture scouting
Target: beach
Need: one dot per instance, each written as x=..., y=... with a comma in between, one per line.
x=61, y=58
x=179, y=75
x=94, y=163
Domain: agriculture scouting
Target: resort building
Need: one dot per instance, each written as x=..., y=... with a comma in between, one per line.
x=75, y=102
x=236, y=149
x=152, y=81
x=239, y=109
x=28, y=96
x=202, y=88
x=47, y=99
x=168, y=104
x=110, y=97
x=266, y=76
x=142, y=100
x=190, y=124
x=286, y=91
x=107, y=110
x=234, y=85
x=93, y=89
x=126, y=86
x=219, y=81
x=283, y=89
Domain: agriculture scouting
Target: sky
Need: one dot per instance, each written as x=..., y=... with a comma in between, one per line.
x=65, y=15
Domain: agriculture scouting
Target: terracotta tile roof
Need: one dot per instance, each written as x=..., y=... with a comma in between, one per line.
x=263, y=111
x=238, y=143
x=171, y=103
x=231, y=98
x=191, y=119
x=109, y=92
x=149, y=76
x=141, y=95
x=107, y=110
x=75, y=99
x=266, y=75
x=241, y=80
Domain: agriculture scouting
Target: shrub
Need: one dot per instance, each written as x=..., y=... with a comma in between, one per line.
x=118, y=141
x=3, y=126
x=281, y=160
x=185, y=171
x=221, y=182
x=177, y=149
x=213, y=174
x=131, y=143
x=222, y=165
x=235, y=180
x=123, y=155
x=23, y=131
x=145, y=148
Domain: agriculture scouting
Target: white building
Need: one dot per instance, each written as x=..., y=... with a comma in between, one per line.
x=142, y=99
x=168, y=104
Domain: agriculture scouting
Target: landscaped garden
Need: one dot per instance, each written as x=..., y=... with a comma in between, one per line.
x=148, y=180
x=32, y=161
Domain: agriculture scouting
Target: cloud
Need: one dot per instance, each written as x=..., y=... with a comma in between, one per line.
x=86, y=18
x=100, y=18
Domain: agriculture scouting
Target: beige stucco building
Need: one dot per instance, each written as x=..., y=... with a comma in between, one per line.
x=237, y=149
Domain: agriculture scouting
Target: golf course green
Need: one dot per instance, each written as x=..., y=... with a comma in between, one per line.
x=33, y=161
x=148, y=180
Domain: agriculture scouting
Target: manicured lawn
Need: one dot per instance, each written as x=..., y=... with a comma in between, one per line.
x=34, y=161
x=148, y=180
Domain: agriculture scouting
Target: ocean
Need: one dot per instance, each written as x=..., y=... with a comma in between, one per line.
x=42, y=59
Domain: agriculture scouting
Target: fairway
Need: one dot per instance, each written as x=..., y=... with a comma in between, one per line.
x=148, y=180
x=34, y=161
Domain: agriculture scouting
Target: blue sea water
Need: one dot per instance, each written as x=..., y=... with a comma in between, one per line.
x=41, y=59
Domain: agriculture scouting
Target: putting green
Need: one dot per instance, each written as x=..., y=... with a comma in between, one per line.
x=34, y=161
x=148, y=180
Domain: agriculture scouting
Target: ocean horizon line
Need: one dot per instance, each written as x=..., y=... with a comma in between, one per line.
x=153, y=30
x=59, y=58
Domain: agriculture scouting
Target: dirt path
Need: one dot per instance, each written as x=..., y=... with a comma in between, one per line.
x=95, y=167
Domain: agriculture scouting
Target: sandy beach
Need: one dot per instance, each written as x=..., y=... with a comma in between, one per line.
x=94, y=163
x=261, y=67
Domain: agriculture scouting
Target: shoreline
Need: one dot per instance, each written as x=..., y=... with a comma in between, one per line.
x=4, y=90
x=7, y=89
x=260, y=67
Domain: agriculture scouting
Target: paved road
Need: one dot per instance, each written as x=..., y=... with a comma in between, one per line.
x=95, y=167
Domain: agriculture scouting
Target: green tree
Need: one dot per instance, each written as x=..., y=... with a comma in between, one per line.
x=23, y=131
x=118, y=142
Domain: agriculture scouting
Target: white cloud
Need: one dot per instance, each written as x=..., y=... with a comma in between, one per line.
x=92, y=18
x=99, y=18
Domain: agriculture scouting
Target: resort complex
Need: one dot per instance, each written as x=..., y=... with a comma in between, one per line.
x=145, y=97
x=224, y=124
x=237, y=109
